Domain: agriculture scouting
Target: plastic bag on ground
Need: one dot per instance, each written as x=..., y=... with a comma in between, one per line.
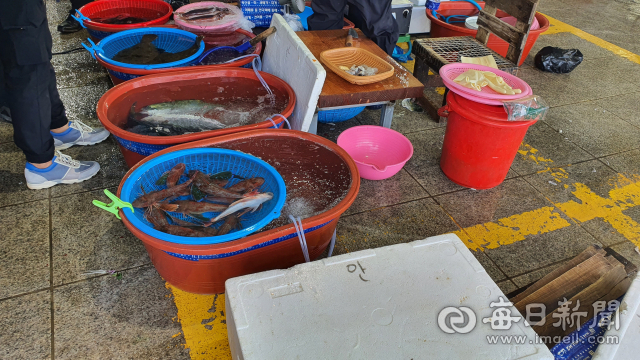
x=526, y=109
x=556, y=60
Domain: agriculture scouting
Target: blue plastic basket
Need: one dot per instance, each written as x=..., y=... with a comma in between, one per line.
x=169, y=40
x=208, y=161
x=339, y=115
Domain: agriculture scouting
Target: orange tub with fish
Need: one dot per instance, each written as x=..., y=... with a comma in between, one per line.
x=235, y=93
x=119, y=74
x=321, y=180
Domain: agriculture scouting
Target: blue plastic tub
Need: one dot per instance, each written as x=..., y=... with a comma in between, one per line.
x=208, y=161
x=169, y=40
x=339, y=115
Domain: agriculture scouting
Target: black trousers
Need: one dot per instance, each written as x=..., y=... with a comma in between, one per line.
x=30, y=85
x=373, y=17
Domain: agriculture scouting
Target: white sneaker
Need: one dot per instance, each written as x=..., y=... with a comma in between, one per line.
x=79, y=134
x=63, y=170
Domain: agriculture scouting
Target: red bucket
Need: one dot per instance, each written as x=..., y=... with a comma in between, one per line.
x=479, y=143
x=191, y=83
x=157, y=10
x=203, y=269
x=440, y=28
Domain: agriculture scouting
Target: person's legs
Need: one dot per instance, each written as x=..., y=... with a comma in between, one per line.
x=374, y=18
x=327, y=15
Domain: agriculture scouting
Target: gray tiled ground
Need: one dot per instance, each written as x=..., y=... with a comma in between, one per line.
x=103, y=317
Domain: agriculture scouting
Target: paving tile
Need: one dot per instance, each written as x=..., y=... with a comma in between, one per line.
x=494, y=272
x=544, y=147
x=541, y=250
x=588, y=49
x=506, y=286
x=472, y=207
x=391, y=225
x=87, y=238
x=627, y=163
x=399, y=188
x=404, y=121
x=6, y=132
x=531, y=277
x=593, y=128
x=25, y=248
x=598, y=181
x=628, y=250
x=110, y=318
x=112, y=167
x=425, y=162
x=625, y=107
x=331, y=131
x=79, y=69
x=80, y=103
x=26, y=327
x=13, y=186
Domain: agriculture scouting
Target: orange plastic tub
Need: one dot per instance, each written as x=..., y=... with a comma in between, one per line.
x=440, y=28
x=329, y=170
x=189, y=84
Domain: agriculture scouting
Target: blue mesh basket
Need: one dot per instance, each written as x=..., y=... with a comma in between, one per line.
x=208, y=161
x=339, y=115
x=169, y=40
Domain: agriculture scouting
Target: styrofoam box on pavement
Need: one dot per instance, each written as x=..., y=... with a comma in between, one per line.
x=628, y=332
x=374, y=304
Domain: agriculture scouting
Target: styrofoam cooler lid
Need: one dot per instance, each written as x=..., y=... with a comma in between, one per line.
x=381, y=303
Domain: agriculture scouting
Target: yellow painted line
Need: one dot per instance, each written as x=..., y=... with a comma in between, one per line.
x=557, y=26
x=204, y=324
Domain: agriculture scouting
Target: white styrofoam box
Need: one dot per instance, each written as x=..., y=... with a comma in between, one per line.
x=628, y=331
x=288, y=58
x=372, y=304
x=420, y=23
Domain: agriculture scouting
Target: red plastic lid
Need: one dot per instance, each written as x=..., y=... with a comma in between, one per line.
x=481, y=113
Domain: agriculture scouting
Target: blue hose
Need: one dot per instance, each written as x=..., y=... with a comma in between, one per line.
x=447, y=19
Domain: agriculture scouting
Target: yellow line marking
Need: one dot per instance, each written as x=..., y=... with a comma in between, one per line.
x=557, y=26
x=203, y=323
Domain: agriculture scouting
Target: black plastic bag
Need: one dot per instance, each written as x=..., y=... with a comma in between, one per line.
x=556, y=60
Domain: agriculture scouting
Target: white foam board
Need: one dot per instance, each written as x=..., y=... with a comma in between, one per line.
x=374, y=304
x=288, y=58
x=628, y=332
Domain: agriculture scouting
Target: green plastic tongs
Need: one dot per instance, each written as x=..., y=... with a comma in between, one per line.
x=115, y=205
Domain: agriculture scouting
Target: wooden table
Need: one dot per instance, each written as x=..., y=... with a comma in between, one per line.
x=338, y=93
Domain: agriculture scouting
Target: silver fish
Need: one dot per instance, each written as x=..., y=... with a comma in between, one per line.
x=186, y=115
x=252, y=202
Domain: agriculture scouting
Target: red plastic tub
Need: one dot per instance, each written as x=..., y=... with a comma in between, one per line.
x=192, y=83
x=157, y=10
x=440, y=28
x=119, y=74
x=203, y=269
x=479, y=143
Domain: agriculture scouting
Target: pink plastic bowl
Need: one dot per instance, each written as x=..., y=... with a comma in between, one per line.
x=378, y=152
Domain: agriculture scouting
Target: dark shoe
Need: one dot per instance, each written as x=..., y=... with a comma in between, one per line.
x=69, y=25
x=5, y=114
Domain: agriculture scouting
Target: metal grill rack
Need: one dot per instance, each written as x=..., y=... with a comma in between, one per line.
x=438, y=52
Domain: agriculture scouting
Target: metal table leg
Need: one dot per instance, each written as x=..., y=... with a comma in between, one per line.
x=313, y=128
x=387, y=114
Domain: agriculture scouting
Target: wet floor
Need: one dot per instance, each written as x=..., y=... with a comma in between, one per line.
x=574, y=182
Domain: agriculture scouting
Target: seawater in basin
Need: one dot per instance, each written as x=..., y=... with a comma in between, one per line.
x=322, y=181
